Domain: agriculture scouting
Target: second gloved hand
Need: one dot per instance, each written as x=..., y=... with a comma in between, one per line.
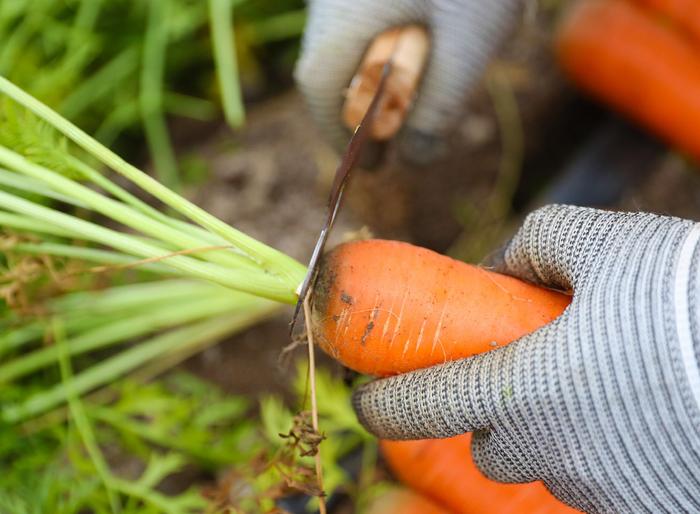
x=464, y=33
x=603, y=403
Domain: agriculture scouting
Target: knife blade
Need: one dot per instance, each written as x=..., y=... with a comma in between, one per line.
x=347, y=163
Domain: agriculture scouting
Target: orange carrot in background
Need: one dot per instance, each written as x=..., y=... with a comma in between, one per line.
x=642, y=67
x=386, y=307
x=404, y=501
x=683, y=14
x=443, y=470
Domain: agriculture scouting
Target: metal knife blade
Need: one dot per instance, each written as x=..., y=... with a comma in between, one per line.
x=347, y=163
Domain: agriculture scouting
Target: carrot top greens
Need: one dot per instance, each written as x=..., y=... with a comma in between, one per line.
x=107, y=282
x=57, y=160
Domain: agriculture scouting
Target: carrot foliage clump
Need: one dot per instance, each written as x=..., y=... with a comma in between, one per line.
x=108, y=279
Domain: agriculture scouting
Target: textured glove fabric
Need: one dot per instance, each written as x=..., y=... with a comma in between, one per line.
x=603, y=404
x=464, y=33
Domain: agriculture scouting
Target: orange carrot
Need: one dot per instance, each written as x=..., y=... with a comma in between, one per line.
x=639, y=65
x=386, y=307
x=443, y=470
x=683, y=14
x=403, y=501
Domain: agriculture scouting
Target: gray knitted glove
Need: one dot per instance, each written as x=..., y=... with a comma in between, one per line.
x=464, y=34
x=603, y=403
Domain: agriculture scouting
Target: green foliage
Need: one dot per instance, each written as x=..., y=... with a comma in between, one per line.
x=220, y=19
x=148, y=434
x=73, y=342
x=343, y=432
x=169, y=320
x=227, y=256
x=53, y=471
x=103, y=291
x=292, y=463
x=34, y=139
x=276, y=418
x=119, y=67
x=183, y=414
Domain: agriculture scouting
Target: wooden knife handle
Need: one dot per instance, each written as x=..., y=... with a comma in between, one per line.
x=409, y=46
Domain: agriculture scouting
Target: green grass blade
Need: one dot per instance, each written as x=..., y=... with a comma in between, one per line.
x=151, y=96
x=221, y=22
x=126, y=113
x=276, y=28
x=81, y=420
x=104, y=257
x=14, y=181
x=100, y=84
x=119, y=211
x=130, y=296
x=189, y=106
x=170, y=315
x=9, y=220
x=206, y=238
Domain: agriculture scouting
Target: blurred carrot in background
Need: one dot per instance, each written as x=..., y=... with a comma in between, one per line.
x=685, y=14
x=630, y=59
x=443, y=470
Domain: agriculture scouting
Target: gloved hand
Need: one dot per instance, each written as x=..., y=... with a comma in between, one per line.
x=603, y=404
x=464, y=34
